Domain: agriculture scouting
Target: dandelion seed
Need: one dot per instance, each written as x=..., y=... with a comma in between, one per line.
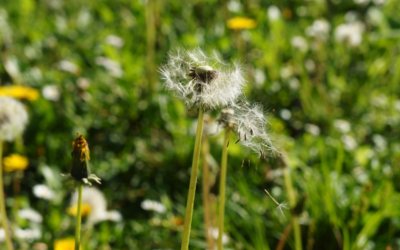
x=237, y=141
x=227, y=144
x=281, y=206
x=200, y=80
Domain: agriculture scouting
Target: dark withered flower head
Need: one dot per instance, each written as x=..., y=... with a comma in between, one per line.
x=80, y=170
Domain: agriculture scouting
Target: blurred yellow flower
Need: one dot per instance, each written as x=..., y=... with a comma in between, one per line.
x=19, y=92
x=240, y=23
x=15, y=162
x=86, y=209
x=65, y=244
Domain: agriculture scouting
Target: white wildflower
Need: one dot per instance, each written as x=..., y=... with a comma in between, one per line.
x=361, y=2
x=319, y=29
x=153, y=206
x=285, y=114
x=215, y=233
x=13, y=118
x=2, y=235
x=350, y=34
x=274, y=13
x=312, y=129
x=43, y=191
x=250, y=122
x=28, y=234
x=300, y=43
x=342, y=125
x=83, y=83
x=51, y=92
x=349, y=142
x=115, y=41
x=69, y=66
x=95, y=199
x=294, y=83
x=113, y=67
x=30, y=214
x=350, y=16
x=379, y=2
x=310, y=65
x=114, y=216
x=201, y=80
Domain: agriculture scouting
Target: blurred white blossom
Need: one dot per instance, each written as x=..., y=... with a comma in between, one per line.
x=43, y=191
x=312, y=129
x=115, y=41
x=310, y=65
x=342, y=125
x=83, y=83
x=211, y=82
x=319, y=29
x=350, y=33
x=13, y=118
x=273, y=13
x=153, y=206
x=361, y=2
x=349, y=142
x=68, y=66
x=95, y=199
x=30, y=214
x=28, y=233
x=300, y=43
x=113, y=67
x=51, y=92
x=215, y=233
x=285, y=114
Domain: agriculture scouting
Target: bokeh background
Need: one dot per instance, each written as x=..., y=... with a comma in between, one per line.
x=327, y=71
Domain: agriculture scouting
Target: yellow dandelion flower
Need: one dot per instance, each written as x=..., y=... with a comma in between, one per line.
x=15, y=162
x=65, y=244
x=86, y=209
x=20, y=92
x=240, y=23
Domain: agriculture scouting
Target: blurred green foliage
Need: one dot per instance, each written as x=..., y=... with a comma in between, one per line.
x=336, y=116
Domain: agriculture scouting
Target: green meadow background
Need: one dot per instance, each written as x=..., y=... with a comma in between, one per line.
x=334, y=110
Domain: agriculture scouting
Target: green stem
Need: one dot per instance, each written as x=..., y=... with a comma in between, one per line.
x=2, y=202
x=78, y=218
x=292, y=201
x=193, y=182
x=206, y=194
x=222, y=185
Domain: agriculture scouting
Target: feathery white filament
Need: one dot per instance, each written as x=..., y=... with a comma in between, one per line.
x=13, y=118
x=251, y=124
x=219, y=92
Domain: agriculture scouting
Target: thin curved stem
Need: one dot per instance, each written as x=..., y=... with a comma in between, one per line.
x=193, y=182
x=206, y=194
x=78, y=218
x=222, y=184
x=2, y=202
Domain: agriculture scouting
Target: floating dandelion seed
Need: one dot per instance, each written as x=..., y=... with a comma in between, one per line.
x=281, y=206
x=200, y=80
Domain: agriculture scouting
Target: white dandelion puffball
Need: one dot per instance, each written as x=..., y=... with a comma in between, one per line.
x=43, y=191
x=95, y=199
x=350, y=34
x=153, y=206
x=202, y=80
x=51, y=92
x=13, y=118
x=250, y=122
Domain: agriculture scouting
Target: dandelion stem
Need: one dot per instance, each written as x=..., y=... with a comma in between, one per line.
x=78, y=218
x=2, y=202
x=193, y=181
x=292, y=201
x=206, y=194
x=222, y=185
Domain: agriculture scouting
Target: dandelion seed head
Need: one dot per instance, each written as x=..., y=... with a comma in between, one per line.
x=13, y=118
x=202, y=80
x=251, y=122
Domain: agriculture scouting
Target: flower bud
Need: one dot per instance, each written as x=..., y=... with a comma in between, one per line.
x=80, y=158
